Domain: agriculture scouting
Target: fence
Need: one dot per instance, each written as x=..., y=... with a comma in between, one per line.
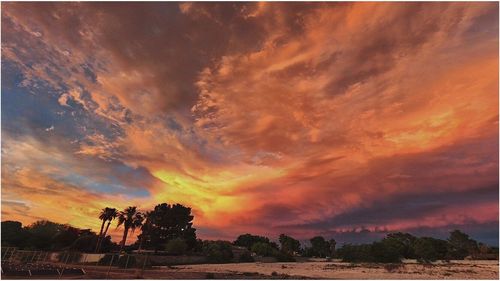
x=33, y=264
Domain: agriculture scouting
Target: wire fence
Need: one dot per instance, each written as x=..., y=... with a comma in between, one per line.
x=35, y=264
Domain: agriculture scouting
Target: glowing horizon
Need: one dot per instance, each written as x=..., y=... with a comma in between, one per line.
x=265, y=118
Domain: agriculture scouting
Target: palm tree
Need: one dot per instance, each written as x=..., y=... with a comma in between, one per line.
x=146, y=227
x=104, y=216
x=110, y=216
x=131, y=219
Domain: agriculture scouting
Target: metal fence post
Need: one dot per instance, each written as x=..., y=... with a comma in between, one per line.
x=110, y=263
x=33, y=258
x=144, y=265
x=12, y=253
x=64, y=265
x=126, y=263
x=5, y=253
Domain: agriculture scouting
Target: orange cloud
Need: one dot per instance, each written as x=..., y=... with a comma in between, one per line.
x=268, y=115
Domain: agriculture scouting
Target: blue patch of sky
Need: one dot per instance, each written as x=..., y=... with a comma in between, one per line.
x=26, y=113
x=112, y=186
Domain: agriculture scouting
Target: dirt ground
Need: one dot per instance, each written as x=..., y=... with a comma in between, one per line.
x=315, y=270
x=337, y=270
x=304, y=270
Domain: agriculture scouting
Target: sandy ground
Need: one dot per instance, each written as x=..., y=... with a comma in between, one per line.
x=305, y=270
x=337, y=270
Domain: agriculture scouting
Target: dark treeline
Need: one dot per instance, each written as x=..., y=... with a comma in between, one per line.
x=168, y=229
x=397, y=246
x=50, y=236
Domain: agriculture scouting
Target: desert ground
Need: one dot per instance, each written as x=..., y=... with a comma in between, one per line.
x=311, y=270
x=338, y=270
x=299, y=270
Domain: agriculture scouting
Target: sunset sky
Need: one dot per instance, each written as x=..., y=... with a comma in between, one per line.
x=346, y=120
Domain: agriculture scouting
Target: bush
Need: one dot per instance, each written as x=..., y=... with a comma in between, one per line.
x=385, y=252
x=176, y=246
x=246, y=257
x=391, y=267
x=355, y=253
x=283, y=257
x=218, y=251
x=263, y=249
x=429, y=249
x=123, y=263
x=382, y=252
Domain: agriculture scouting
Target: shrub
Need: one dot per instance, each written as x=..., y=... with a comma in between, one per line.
x=218, y=251
x=355, y=253
x=263, y=249
x=385, y=252
x=246, y=257
x=176, y=246
x=429, y=249
x=283, y=257
x=247, y=240
x=382, y=252
x=391, y=267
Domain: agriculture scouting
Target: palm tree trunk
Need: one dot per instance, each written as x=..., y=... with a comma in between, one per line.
x=103, y=237
x=125, y=233
x=99, y=237
x=140, y=244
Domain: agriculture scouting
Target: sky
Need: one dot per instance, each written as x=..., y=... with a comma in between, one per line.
x=347, y=120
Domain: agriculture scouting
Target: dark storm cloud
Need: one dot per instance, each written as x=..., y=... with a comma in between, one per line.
x=404, y=207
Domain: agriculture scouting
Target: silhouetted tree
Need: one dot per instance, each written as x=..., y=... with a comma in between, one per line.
x=333, y=244
x=461, y=245
x=130, y=218
x=356, y=253
x=247, y=240
x=167, y=222
x=385, y=251
x=42, y=233
x=65, y=236
x=319, y=247
x=263, y=249
x=288, y=244
x=13, y=234
x=107, y=214
x=145, y=229
x=218, y=251
x=428, y=249
x=47, y=235
x=403, y=242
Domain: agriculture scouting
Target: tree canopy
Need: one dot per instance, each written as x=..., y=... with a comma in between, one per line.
x=166, y=222
x=247, y=240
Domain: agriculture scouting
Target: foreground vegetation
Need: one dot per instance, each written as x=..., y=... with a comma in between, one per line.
x=168, y=229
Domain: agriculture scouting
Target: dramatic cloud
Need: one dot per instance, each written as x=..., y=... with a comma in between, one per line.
x=328, y=118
